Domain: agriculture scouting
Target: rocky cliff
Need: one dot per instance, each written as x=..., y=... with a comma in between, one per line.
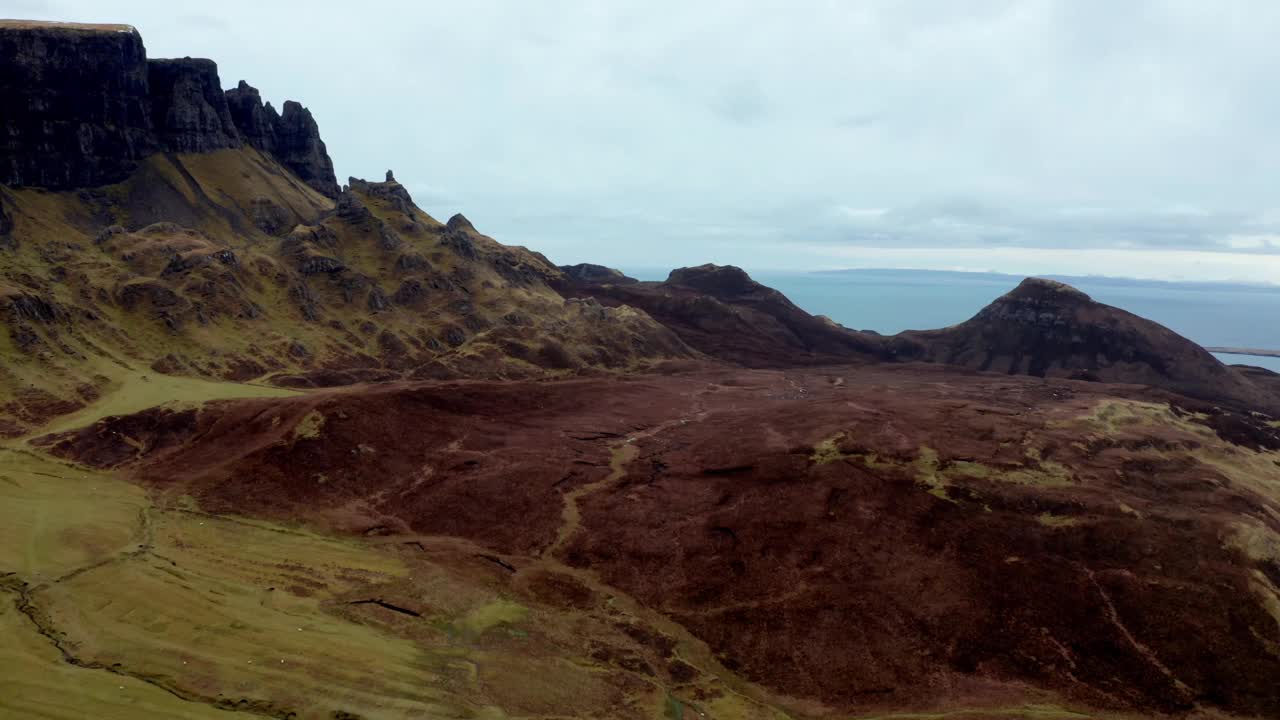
x=84, y=106
x=188, y=107
x=255, y=121
x=293, y=139
x=76, y=104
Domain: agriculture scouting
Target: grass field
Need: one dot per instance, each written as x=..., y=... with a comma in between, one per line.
x=131, y=390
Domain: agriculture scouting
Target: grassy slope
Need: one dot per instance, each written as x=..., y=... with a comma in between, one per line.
x=124, y=309
x=115, y=607
x=130, y=390
x=35, y=682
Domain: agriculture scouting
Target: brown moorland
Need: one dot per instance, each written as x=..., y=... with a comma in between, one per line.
x=870, y=539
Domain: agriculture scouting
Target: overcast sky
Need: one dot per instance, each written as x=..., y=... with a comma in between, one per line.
x=1121, y=138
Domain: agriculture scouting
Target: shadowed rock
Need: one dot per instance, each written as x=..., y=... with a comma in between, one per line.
x=75, y=104
x=188, y=108
x=255, y=122
x=722, y=312
x=588, y=273
x=83, y=106
x=459, y=222
x=300, y=149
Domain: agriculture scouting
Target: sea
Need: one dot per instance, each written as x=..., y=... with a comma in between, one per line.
x=890, y=301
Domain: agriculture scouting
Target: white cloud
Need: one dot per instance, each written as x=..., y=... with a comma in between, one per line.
x=1251, y=242
x=1190, y=265
x=574, y=127
x=856, y=213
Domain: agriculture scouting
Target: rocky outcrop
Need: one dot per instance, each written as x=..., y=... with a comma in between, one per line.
x=587, y=273
x=721, y=311
x=188, y=107
x=76, y=107
x=83, y=106
x=459, y=222
x=6, y=222
x=299, y=148
x=255, y=121
x=292, y=138
x=722, y=281
x=389, y=190
x=350, y=208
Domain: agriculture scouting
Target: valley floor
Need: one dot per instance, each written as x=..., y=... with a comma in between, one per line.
x=127, y=597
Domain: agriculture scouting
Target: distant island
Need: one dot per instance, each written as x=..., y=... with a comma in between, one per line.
x=1244, y=351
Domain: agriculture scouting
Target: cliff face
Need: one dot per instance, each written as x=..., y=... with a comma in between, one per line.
x=83, y=105
x=188, y=108
x=256, y=122
x=76, y=106
x=293, y=139
x=299, y=148
x=6, y=224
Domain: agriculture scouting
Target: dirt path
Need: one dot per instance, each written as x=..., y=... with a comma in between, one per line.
x=571, y=515
x=622, y=453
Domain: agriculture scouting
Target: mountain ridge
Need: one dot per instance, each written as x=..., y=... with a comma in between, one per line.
x=87, y=106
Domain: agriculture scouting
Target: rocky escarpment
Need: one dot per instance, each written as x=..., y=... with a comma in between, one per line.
x=292, y=138
x=301, y=150
x=589, y=273
x=722, y=312
x=188, y=108
x=76, y=104
x=84, y=106
x=1047, y=328
x=255, y=121
x=6, y=223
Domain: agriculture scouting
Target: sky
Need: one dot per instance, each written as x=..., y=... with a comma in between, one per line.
x=1076, y=137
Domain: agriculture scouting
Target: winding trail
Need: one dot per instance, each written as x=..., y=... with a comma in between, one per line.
x=571, y=515
x=622, y=452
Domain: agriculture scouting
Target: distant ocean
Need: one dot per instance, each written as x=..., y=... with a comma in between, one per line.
x=890, y=301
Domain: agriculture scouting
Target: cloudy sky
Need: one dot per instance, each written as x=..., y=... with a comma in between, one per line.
x=1118, y=138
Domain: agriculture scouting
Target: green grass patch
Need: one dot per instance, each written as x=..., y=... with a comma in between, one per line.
x=130, y=391
x=309, y=426
x=828, y=451
x=56, y=517
x=1057, y=521
x=499, y=613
